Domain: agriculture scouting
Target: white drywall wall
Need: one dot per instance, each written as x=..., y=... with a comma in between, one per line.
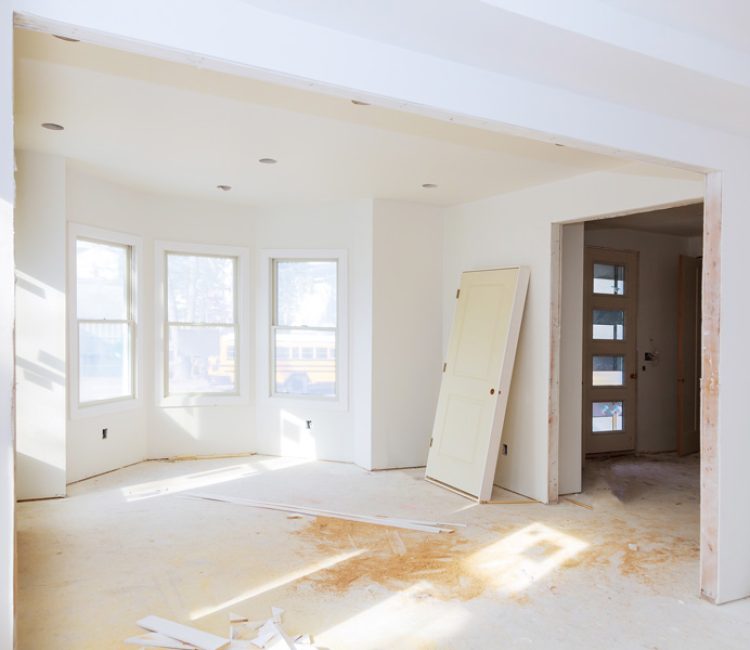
x=152, y=431
x=7, y=363
x=515, y=229
x=264, y=424
x=339, y=432
x=656, y=428
x=41, y=387
x=407, y=331
x=571, y=359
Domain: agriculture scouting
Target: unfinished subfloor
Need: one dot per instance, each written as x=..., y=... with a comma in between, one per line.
x=621, y=573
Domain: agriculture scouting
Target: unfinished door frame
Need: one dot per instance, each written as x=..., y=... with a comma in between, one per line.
x=709, y=406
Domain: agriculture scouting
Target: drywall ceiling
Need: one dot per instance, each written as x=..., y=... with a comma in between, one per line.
x=693, y=65
x=175, y=128
x=684, y=221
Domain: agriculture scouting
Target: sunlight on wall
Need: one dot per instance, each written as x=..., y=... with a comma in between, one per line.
x=517, y=561
x=275, y=584
x=411, y=622
x=186, y=482
x=40, y=374
x=296, y=438
x=184, y=417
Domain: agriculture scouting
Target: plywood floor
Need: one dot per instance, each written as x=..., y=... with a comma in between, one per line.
x=620, y=574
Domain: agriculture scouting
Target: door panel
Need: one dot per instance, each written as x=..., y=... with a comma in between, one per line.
x=688, y=354
x=471, y=407
x=609, y=350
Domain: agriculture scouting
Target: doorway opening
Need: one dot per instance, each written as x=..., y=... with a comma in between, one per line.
x=635, y=427
x=641, y=333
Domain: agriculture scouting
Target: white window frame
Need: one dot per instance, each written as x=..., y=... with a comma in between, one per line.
x=77, y=410
x=242, y=322
x=266, y=326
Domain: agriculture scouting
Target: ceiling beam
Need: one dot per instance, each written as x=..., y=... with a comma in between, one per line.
x=628, y=31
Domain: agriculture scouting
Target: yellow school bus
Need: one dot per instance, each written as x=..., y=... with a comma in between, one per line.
x=305, y=362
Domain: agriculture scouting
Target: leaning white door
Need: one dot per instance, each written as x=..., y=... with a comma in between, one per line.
x=476, y=378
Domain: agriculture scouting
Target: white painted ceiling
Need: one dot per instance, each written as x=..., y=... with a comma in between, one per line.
x=683, y=221
x=174, y=128
x=683, y=75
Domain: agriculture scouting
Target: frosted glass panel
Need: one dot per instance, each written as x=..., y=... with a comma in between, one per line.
x=608, y=371
x=201, y=360
x=606, y=417
x=609, y=279
x=102, y=278
x=200, y=289
x=104, y=361
x=306, y=293
x=609, y=325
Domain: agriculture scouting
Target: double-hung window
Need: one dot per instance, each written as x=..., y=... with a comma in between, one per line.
x=305, y=342
x=201, y=330
x=105, y=319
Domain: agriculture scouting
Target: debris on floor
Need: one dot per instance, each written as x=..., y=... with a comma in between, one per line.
x=394, y=522
x=243, y=635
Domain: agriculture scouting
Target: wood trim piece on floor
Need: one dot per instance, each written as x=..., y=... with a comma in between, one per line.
x=711, y=327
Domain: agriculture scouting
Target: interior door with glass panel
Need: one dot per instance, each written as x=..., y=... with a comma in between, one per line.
x=609, y=350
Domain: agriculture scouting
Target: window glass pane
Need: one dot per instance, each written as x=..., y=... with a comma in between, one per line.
x=200, y=289
x=609, y=279
x=299, y=371
x=306, y=293
x=608, y=371
x=201, y=360
x=102, y=277
x=606, y=417
x=609, y=325
x=104, y=361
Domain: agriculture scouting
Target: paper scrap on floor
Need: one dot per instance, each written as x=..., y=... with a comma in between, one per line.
x=243, y=635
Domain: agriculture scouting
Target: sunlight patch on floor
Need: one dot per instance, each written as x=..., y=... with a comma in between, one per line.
x=186, y=482
x=515, y=562
x=412, y=619
x=286, y=579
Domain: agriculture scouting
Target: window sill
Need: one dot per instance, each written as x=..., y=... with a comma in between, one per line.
x=302, y=402
x=182, y=401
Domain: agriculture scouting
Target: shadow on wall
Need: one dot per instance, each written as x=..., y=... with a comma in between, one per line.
x=28, y=465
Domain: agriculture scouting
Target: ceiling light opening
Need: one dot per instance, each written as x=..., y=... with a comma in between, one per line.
x=268, y=161
x=224, y=188
x=429, y=186
x=52, y=126
x=66, y=38
x=359, y=102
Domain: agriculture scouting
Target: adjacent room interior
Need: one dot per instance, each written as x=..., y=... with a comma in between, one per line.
x=226, y=285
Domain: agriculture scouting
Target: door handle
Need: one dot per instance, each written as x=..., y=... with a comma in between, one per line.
x=633, y=375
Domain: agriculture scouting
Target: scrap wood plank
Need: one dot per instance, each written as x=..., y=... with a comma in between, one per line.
x=394, y=522
x=189, y=635
x=155, y=640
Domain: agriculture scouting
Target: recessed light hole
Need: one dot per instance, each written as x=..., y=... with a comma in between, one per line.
x=224, y=188
x=268, y=161
x=429, y=186
x=52, y=126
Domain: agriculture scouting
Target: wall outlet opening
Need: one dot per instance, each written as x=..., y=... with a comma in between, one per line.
x=105, y=431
